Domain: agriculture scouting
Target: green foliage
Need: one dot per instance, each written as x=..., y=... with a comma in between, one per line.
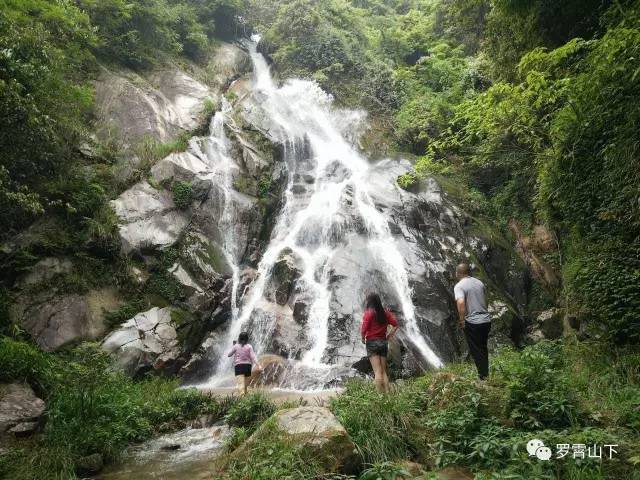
x=272, y=456
x=378, y=424
x=91, y=408
x=182, y=194
x=41, y=112
x=250, y=411
x=125, y=312
x=556, y=145
x=385, y=471
x=515, y=27
x=535, y=398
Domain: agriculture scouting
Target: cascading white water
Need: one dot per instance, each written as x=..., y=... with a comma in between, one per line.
x=317, y=143
x=216, y=156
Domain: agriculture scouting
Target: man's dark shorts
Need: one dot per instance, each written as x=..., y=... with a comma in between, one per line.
x=377, y=347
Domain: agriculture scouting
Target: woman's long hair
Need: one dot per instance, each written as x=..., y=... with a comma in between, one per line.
x=374, y=303
x=243, y=338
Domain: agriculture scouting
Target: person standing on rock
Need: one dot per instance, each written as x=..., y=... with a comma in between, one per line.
x=378, y=326
x=243, y=358
x=474, y=319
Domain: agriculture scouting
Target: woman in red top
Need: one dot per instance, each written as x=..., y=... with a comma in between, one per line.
x=378, y=326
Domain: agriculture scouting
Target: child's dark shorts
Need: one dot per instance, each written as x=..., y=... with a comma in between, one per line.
x=243, y=369
x=377, y=347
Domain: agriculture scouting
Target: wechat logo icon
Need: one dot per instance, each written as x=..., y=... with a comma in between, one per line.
x=536, y=448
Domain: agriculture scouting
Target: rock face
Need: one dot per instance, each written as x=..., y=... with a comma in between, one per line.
x=318, y=430
x=162, y=104
x=131, y=107
x=45, y=270
x=148, y=218
x=57, y=320
x=20, y=409
x=145, y=342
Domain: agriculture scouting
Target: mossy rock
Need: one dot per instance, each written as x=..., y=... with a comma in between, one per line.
x=313, y=431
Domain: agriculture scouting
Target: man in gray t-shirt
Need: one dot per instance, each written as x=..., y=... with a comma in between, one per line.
x=471, y=302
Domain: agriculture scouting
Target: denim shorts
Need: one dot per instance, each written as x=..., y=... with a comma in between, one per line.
x=377, y=347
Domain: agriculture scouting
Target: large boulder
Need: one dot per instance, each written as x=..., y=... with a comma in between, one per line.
x=164, y=102
x=185, y=167
x=274, y=367
x=316, y=430
x=146, y=342
x=319, y=430
x=148, y=218
x=55, y=320
x=227, y=63
x=20, y=410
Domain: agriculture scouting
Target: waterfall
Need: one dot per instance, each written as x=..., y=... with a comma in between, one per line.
x=327, y=203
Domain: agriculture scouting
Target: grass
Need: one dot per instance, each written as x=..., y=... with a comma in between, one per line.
x=575, y=393
x=560, y=393
x=270, y=455
x=91, y=409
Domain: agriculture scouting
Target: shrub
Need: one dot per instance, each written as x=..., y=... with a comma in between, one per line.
x=538, y=393
x=182, y=194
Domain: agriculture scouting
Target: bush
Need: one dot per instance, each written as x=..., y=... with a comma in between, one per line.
x=182, y=194
x=385, y=471
x=538, y=392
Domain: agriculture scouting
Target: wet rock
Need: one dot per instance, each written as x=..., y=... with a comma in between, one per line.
x=274, y=367
x=146, y=342
x=203, y=360
x=300, y=312
x=193, y=459
x=20, y=409
x=90, y=465
x=283, y=277
x=148, y=218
